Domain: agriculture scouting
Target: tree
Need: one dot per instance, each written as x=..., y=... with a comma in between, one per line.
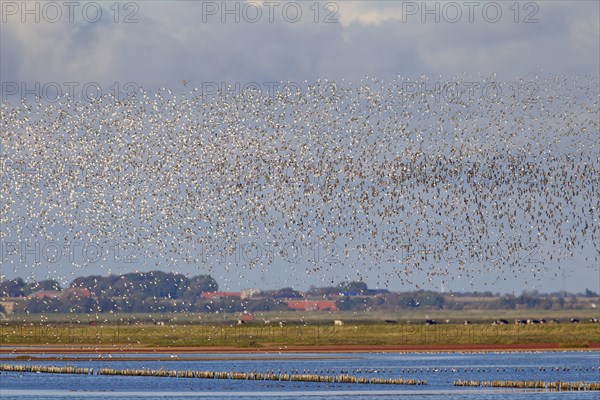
x=39, y=306
x=354, y=287
x=12, y=288
x=266, y=305
x=198, y=284
x=75, y=304
x=287, y=293
x=351, y=304
x=49, y=284
x=322, y=291
x=94, y=283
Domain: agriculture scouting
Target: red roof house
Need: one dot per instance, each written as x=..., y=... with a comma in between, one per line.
x=246, y=317
x=308, y=305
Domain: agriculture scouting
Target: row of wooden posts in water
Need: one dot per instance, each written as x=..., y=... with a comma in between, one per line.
x=558, y=385
x=48, y=369
x=252, y=376
x=496, y=369
x=271, y=376
x=257, y=376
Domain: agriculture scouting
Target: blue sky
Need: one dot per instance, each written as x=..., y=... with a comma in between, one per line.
x=184, y=45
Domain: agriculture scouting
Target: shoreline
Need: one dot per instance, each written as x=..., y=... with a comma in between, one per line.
x=277, y=349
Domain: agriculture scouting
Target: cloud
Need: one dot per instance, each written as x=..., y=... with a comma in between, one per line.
x=583, y=35
x=369, y=13
x=171, y=43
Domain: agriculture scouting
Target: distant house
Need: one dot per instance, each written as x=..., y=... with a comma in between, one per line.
x=249, y=293
x=246, y=317
x=74, y=292
x=308, y=305
x=220, y=295
x=45, y=294
x=8, y=305
x=78, y=292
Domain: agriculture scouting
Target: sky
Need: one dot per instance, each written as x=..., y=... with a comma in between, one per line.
x=47, y=48
x=164, y=43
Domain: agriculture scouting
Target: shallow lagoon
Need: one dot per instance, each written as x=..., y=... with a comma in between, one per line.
x=440, y=370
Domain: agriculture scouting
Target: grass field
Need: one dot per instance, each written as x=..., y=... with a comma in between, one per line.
x=300, y=317
x=310, y=332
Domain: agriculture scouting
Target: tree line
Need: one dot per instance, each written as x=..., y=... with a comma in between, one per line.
x=158, y=291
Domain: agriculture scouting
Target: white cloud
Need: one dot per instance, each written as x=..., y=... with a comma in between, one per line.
x=171, y=43
x=583, y=34
x=369, y=13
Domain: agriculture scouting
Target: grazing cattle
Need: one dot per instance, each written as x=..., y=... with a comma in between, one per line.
x=500, y=322
x=542, y=321
x=594, y=320
x=533, y=321
x=430, y=322
x=240, y=322
x=574, y=321
x=554, y=321
x=338, y=322
x=467, y=322
x=520, y=321
x=390, y=321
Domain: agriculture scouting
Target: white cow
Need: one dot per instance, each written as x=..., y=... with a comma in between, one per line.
x=338, y=322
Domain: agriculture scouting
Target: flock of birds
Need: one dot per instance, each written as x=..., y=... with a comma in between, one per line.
x=404, y=185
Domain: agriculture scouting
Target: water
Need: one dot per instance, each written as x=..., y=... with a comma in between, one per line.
x=444, y=369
